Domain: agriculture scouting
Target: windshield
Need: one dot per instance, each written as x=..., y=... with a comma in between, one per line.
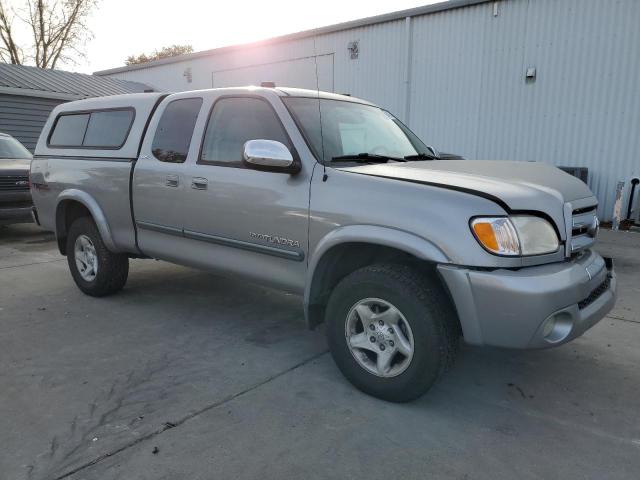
x=350, y=128
x=11, y=148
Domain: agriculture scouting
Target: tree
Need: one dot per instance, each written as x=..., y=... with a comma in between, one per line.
x=165, y=52
x=57, y=28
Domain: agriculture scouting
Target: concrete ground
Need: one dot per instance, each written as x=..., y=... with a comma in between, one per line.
x=189, y=375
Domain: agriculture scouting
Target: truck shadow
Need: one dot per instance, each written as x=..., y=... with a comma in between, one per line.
x=207, y=337
x=268, y=318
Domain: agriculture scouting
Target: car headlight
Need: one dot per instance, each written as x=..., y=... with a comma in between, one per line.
x=516, y=235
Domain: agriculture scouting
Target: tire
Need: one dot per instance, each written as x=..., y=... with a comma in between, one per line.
x=423, y=305
x=112, y=269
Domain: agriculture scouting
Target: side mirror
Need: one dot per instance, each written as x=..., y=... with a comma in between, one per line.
x=268, y=155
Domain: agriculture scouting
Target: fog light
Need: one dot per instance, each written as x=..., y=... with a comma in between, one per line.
x=548, y=326
x=557, y=327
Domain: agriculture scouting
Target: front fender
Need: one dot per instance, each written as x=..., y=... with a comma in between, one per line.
x=371, y=234
x=90, y=203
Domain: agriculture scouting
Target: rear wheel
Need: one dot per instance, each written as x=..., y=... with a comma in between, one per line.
x=392, y=331
x=96, y=270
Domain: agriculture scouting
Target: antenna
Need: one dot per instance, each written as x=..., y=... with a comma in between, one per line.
x=315, y=62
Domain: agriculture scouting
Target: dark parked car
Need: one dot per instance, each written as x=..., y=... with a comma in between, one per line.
x=15, y=198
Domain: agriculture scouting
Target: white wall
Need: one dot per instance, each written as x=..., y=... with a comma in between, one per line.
x=464, y=89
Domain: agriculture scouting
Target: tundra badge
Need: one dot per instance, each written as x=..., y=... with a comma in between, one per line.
x=275, y=239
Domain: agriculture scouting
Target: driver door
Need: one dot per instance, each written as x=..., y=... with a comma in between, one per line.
x=239, y=219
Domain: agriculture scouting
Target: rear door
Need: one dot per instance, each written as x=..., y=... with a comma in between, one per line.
x=159, y=177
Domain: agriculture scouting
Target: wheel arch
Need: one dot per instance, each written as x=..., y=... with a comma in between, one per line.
x=346, y=249
x=74, y=203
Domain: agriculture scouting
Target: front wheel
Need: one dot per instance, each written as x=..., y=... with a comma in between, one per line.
x=392, y=331
x=96, y=270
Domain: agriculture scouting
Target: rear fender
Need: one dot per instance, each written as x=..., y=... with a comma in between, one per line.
x=94, y=209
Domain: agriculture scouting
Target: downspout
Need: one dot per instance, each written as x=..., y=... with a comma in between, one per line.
x=634, y=183
x=407, y=71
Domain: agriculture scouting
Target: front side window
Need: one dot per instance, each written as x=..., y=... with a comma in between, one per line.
x=233, y=122
x=175, y=129
x=106, y=129
x=350, y=128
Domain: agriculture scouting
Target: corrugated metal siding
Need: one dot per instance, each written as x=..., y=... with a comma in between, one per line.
x=24, y=117
x=446, y=78
x=58, y=81
x=378, y=73
x=583, y=109
x=468, y=92
x=585, y=105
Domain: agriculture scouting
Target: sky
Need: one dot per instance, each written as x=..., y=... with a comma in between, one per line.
x=130, y=27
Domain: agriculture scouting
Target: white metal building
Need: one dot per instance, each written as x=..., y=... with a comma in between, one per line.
x=548, y=80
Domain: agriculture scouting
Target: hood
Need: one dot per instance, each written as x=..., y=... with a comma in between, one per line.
x=14, y=166
x=516, y=186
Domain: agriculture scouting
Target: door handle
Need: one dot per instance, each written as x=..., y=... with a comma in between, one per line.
x=199, y=183
x=172, y=181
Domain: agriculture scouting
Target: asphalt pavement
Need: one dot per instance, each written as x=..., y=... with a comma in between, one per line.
x=185, y=374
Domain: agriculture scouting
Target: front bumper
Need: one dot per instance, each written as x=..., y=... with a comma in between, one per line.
x=534, y=307
x=15, y=207
x=15, y=215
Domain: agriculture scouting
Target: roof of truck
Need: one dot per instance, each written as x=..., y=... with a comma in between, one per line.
x=301, y=92
x=144, y=99
x=144, y=104
x=113, y=101
x=281, y=92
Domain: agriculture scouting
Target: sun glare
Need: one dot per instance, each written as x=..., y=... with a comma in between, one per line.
x=207, y=25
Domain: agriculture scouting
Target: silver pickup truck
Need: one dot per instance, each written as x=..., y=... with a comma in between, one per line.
x=398, y=252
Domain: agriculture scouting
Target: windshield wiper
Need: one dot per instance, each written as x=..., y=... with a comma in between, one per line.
x=422, y=156
x=365, y=157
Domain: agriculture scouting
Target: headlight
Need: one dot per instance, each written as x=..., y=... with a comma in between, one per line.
x=516, y=235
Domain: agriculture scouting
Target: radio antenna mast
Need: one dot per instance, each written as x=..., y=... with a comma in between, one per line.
x=315, y=62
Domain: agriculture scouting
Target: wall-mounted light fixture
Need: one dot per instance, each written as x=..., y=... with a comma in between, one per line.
x=354, y=49
x=530, y=75
x=187, y=74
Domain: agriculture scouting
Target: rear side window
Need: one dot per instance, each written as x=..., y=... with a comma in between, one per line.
x=233, y=122
x=108, y=129
x=69, y=130
x=104, y=129
x=175, y=129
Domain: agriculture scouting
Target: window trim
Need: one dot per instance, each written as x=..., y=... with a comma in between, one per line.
x=89, y=112
x=192, y=132
x=297, y=164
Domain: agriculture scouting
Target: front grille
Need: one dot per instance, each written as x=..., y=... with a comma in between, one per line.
x=579, y=211
x=595, y=294
x=583, y=229
x=14, y=183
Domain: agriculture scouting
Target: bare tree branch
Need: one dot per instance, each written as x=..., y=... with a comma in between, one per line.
x=9, y=49
x=58, y=28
